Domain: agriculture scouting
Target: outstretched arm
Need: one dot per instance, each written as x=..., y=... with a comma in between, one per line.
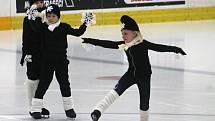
x=103, y=43
x=76, y=32
x=163, y=48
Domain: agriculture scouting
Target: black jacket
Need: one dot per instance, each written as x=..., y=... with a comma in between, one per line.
x=137, y=55
x=55, y=42
x=31, y=40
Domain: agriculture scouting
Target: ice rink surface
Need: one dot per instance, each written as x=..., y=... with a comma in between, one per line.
x=182, y=87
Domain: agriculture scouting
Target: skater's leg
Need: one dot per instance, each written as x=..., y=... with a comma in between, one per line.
x=144, y=115
x=46, y=75
x=63, y=80
x=124, y=83
x=36, y=107
x=144, y=90
x=45, y=80
x=33, y=72
x=107, y=101
x=102, y=105
x=62, y=76
x=31, y=86
x=69, y=107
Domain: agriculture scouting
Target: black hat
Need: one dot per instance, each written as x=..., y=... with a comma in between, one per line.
x=52, y=8
x=33, y=1
x=129, y=23
x=29, y=3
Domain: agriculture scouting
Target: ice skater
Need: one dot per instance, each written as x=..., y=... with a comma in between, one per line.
x=31, y=53
x=139, y=70
x=54, y=57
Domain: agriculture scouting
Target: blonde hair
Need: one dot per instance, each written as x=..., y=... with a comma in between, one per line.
x=138, y=35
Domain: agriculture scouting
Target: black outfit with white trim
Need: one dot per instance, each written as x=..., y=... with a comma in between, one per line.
x=139, y=70
x=54, y=57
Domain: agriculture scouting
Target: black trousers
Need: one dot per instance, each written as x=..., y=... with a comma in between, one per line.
x=49, y=65
x=143, y=84
x=33, y=68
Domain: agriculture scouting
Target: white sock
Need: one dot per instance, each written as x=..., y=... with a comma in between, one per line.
x=144, y=115
x=68, y=103
x=107, y=101
x=37, y=105
x=31, y=86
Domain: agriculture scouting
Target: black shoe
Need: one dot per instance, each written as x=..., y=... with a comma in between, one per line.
x=95, y=115
x=36, y=115
x=71, y=113
x=45, y=113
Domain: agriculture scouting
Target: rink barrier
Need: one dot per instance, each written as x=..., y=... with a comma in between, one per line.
x=141, y=16
x=5, y=23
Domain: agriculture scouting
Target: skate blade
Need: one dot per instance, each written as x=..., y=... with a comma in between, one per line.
x=45, y=116
x=71, y=119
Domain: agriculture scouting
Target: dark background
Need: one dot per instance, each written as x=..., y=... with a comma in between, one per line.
x=98, y=4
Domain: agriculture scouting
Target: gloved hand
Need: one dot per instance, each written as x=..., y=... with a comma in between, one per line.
x=88, y=18
x=179, y=50
x=32, y=13
x=26, y=59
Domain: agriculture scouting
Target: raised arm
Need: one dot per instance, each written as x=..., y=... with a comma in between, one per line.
x=103, y=43
x=37, y=25
x=163, y=48
x=76, y=32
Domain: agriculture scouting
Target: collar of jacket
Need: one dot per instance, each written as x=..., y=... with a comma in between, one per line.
x=51, y=27
x=137, y=40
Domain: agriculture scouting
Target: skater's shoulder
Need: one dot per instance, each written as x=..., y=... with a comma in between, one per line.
x=25, y=18
x=64, y=25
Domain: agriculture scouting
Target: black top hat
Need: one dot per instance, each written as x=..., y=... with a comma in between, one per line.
x=129, y=23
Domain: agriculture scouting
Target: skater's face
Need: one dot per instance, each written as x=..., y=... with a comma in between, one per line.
x=40, y=4
x=128, y=35
x=52, y=18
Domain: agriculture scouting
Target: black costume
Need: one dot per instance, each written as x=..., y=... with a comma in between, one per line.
x=139, y=70
x=31, y=45
x=54, y=58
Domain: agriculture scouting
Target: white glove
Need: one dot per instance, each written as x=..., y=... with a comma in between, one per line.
x=42, y=15
x=28, y=59
x=32, y=13
x=88, y=18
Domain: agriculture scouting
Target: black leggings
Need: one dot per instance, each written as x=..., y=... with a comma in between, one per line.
x=60, y=67
x=143, y=84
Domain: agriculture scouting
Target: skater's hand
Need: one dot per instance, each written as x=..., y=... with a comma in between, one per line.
x=32, y=13
x=179, y=50
x=88, y=18
x=25, y=59
x=28, y=58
